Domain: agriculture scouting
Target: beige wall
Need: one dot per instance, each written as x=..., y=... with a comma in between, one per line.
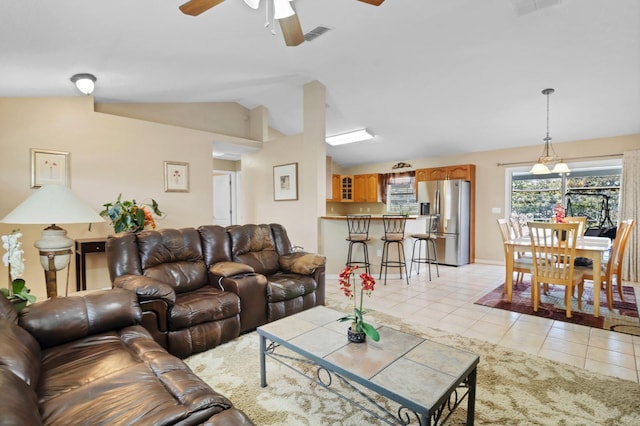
x=112, y=154
x=490, y=179
x=108, y=155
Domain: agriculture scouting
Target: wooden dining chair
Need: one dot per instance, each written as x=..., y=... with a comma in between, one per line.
x=553, y=246
x=520, y=265
x=613, y=266
x=582, y=220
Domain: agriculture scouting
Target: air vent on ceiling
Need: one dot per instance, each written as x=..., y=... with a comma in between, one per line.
x=524, y=7
x=316, y=32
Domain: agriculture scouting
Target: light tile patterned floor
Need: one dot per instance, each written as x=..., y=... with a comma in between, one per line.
x=447, y=303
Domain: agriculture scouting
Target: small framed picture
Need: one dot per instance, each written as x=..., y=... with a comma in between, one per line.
x=285, y=182
x=176, y=176
x=49, y=167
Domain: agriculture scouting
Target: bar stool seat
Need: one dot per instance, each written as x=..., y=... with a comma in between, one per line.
x=393, y=234
x=429, y=240
x=358, y=226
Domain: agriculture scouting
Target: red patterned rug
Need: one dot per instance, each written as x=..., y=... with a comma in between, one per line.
x=623, y=318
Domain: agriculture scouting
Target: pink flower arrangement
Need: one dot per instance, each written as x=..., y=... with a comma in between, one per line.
x=367, y=285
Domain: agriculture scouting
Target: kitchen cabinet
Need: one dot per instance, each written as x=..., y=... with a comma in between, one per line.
x=463, y=171
x=346, y=188
x=366, y=188
x=336, y=188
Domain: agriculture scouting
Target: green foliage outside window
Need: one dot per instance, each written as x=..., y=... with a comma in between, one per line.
x=535, y=196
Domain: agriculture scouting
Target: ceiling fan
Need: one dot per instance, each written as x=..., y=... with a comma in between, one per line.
x=289, y=22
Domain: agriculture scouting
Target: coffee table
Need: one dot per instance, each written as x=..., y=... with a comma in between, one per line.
x=427, y=380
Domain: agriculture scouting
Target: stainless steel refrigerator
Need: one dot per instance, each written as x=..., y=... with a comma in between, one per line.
x=451, y=200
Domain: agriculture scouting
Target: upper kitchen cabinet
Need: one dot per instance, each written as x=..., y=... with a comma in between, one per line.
x=366, y=188
x=463, y=171
x=346, y=188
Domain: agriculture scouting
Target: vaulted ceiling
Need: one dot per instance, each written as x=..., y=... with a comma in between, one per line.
x=428, y=77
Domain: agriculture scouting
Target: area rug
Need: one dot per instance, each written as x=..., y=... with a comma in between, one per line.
x=513, y=388
x=623, y=318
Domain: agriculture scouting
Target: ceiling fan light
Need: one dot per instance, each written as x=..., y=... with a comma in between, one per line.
x=539, y=169
x=253, y=4
x=561, y=168
x=282, y=9
x=84, y=82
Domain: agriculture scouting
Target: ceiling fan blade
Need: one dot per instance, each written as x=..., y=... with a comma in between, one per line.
x=196, y=7
x=291, y=30
x=373, y=2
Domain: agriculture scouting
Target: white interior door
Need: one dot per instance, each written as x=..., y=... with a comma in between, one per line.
x=223, y=188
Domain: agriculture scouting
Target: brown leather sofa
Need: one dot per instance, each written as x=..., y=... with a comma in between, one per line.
x=84, y=360
x=202, y=287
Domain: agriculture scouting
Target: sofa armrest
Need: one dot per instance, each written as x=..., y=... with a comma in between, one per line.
x=230, y=269
x=146, y=288
x=302, y=263
x=64, y=319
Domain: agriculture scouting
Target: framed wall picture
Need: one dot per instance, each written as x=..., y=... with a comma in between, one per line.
x=49, y=167
x=285, y=182
x=176, y=176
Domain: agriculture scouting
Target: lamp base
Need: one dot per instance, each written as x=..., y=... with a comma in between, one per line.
x=55, y=254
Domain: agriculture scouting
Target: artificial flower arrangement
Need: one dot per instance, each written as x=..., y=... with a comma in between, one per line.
x=559, y=213
x=128, y=216
x=17, y=292
x=367, y=283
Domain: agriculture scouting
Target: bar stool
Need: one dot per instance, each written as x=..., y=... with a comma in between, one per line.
x=393, y=234
x=429, y=240
x=358, y=234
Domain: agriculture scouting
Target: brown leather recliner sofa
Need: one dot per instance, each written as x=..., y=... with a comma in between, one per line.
x=85, y=360
x=202, y=287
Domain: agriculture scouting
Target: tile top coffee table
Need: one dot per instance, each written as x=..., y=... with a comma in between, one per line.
x=428, y=380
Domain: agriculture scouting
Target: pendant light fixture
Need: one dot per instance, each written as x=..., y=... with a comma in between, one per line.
x=541, y=167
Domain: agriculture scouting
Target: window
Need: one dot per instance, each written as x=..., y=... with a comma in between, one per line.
x=591, y=190
x=401, y=193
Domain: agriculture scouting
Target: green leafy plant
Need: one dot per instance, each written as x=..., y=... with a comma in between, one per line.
x=367, y=283
x=129, y=216
x=13, y=259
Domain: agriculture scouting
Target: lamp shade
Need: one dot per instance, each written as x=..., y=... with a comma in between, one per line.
x=282, y=9
x=52, y=204
x=539, y=169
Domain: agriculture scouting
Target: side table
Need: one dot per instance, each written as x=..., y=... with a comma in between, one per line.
x=86, y=246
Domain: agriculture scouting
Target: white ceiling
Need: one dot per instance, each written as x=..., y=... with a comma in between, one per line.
x=428, y=77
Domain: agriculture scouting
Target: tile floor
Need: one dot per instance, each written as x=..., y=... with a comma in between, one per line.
x=447, y=303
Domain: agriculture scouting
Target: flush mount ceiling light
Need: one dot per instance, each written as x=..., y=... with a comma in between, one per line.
x=349, y=137
x=541, y=168
x=84, y=82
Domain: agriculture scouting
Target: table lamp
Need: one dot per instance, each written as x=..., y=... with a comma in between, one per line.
x=53, y=204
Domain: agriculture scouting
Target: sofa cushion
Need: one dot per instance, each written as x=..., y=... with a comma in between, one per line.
x=121, y=377
x=203, y=305
x=20, y=352
x=253, y=245
x=283, y=286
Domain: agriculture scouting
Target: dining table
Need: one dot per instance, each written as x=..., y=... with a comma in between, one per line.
x=593, y=248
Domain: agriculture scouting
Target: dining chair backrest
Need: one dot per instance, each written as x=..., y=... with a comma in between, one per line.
x=358, y=226
x=616, y=257
x=553, y=246
x=394, y=226
x=505, y=229
x=582, y=220
x=516, y=227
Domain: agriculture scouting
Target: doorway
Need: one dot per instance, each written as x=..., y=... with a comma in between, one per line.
x=225, y=204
